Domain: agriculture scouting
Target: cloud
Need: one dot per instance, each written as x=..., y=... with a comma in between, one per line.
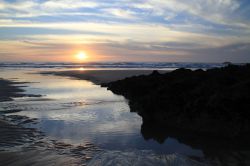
x=67, y=4
x=120, y=13
x=161, y=27
x=17, y=5
x=33, y=8
x=216, y=11
x=224, y=12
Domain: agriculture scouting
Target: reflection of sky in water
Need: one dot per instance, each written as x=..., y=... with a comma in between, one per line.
x=76, y=111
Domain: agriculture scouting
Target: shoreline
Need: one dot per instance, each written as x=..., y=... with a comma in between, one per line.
x=20, y=145
x=101, y=76
x=8, y=90
x=157, y=133
x=138, y=87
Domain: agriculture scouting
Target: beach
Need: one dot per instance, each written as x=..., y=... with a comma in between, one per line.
x=58, y=140
x=21, y=145
x=102, y=76
x=64, y=117
x=8, y=90
x=124, y=83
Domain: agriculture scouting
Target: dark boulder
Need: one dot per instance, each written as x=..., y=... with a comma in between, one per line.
x=215, y=101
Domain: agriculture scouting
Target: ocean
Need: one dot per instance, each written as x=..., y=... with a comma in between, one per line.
x=116, y=65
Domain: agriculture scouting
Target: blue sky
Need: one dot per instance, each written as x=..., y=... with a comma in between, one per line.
x=125, y=30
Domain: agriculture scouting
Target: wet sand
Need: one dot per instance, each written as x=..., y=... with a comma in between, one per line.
x=9, y=90
x=101, y=76
x=14, y=135
x=27, y=146
x=11, y=135
x=36, y=157
x=20, y=145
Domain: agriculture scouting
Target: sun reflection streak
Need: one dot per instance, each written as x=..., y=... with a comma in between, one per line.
x=81, y=69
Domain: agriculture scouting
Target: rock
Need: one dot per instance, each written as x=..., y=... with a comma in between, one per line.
x=215, y=101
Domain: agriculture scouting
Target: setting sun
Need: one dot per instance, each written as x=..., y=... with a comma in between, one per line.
x=81, y=55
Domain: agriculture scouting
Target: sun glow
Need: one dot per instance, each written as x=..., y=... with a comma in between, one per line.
x=81, y=55
x=81, y=69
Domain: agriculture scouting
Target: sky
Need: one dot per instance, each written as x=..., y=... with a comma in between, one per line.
x=125, y=30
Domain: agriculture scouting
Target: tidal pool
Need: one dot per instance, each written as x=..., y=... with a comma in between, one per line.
x=78, y=111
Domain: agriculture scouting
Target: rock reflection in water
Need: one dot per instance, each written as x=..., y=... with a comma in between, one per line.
x=219, y=151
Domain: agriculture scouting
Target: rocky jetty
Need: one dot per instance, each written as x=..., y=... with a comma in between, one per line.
x=215, y=101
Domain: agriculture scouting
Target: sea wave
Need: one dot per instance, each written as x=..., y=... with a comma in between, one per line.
x=122, y=65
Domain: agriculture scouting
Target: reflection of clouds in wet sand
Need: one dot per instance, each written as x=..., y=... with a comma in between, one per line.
x=145, y=158
x=27, y=146
x=98, y=119
x=77, y=111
